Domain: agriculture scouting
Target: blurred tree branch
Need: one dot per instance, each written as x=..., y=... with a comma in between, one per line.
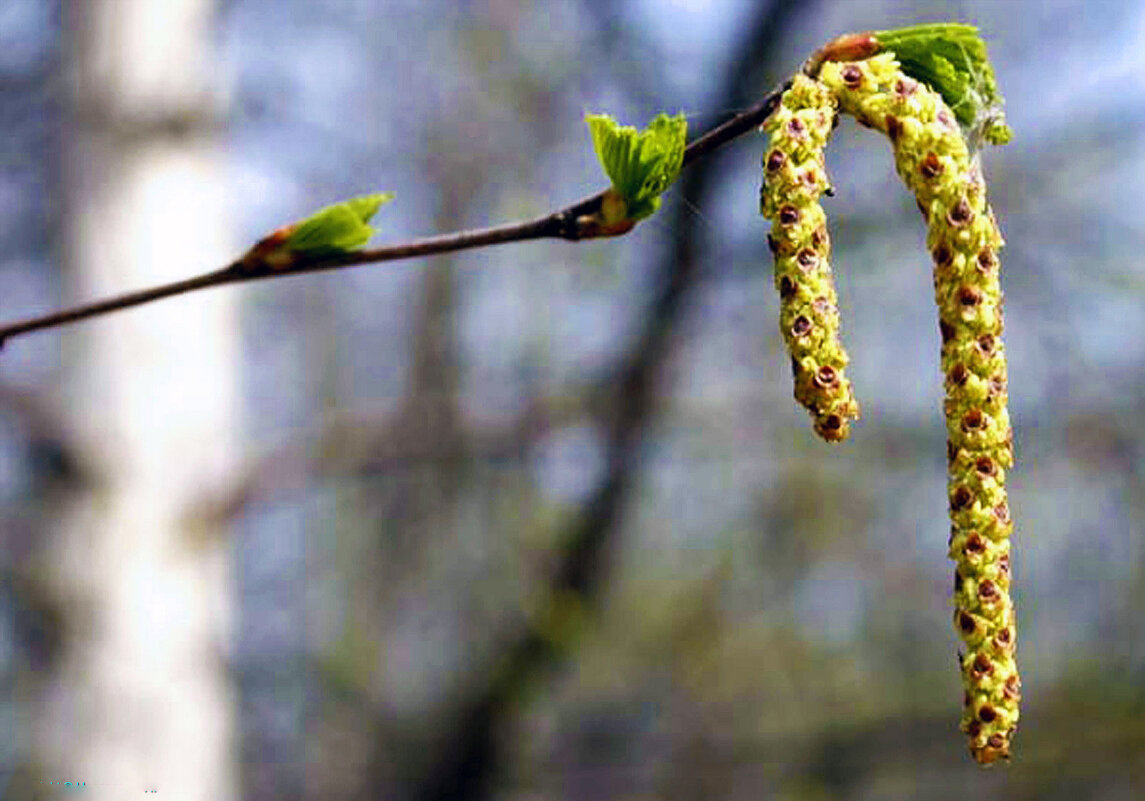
x=468, y=760
x=369, y=443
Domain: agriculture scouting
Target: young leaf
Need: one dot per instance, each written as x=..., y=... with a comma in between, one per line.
x=640, y=164
x=339, y=228
x=951, y=58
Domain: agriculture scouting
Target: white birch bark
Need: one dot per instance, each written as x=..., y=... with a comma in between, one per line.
x=140, y=699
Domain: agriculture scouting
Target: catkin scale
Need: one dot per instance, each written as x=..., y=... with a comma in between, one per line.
x=794, y=178
x=932, y=158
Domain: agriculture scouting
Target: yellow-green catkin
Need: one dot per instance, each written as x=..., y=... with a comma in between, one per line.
x=794, y=177
x=932, y=157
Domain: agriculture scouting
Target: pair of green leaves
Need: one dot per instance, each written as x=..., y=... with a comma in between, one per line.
x=640, y=164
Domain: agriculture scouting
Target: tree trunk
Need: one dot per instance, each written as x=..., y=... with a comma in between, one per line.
x=139, y=698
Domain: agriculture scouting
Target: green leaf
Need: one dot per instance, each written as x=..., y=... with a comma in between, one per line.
x=640, y=164
x=951, y=58
x=339, y=228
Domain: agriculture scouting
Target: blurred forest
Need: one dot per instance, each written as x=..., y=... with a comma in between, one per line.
x=540, y=521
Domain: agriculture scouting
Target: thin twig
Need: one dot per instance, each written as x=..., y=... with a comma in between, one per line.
x=125, y=301
x=572, y=223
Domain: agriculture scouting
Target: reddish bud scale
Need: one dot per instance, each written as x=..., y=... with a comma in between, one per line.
x=794, y=177
x=848, y=47
x=270, y=253
x=932, y=158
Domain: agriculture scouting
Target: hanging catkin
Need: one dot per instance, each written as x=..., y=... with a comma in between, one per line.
x=794, y=177
x=932, y=157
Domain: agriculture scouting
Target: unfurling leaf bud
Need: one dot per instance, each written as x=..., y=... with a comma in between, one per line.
x=332, y=231
x=640, y=164
x=794, y=176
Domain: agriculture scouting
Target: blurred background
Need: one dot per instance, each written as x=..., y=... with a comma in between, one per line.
x=539, y=521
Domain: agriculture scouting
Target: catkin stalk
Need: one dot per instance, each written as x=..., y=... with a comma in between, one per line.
x=794, y=177
x=932, y=158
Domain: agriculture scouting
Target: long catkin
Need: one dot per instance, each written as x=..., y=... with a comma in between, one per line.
x=794, y=177
x=932, y=158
